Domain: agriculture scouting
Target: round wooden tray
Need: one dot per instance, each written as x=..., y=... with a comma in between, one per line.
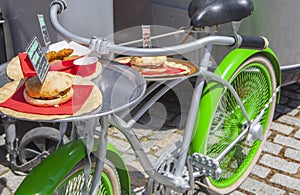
x=192, y=68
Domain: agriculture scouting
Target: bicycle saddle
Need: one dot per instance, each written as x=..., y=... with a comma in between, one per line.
x=214, y=12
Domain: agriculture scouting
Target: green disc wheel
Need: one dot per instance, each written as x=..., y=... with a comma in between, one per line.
x=74, y=181
x=254, y=82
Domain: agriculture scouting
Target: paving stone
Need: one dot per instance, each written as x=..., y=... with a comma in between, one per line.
x=3, y=169
x=161, y=134
x=6, y=191
x=287, y=181
x=13, y=181
x=285, y=129
x=287, y=141
x=290, y=94
x=290, y=120
x=272, y=148
x=256, y=187
x=121, y=145
x=143, y=132
x=128, y=157
x=237, y=193
x=276, y=115
x=283, y=109
x=279, y=164
x=293, y=112
x=116, y=134
x=283, y=100
x=269, y=133
x=293, y=154
x=297, y=134
x=147, y=145
x=294, y=104
x=291, y=87
x=260, y=171
x=168, y=143
x=153, y=159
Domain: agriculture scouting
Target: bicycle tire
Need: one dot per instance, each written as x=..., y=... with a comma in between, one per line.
x=74, y=180
x=38, y=140
x=255, y=82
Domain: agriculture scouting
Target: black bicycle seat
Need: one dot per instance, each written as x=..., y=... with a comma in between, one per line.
x=214, y=12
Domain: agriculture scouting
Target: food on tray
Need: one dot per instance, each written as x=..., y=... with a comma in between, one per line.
x=171, y=68
x=64, y=54
x=51, y=55
x=56, y=89
x=148, y=62
x=71, y=57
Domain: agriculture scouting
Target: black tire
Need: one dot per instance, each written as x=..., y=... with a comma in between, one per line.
x=74, y=181
x=38, y=140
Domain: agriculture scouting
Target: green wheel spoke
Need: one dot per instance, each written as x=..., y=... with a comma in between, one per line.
x=75, y=181
x=255, y=86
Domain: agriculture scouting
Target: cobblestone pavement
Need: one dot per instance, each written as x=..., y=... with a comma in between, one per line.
x=277, y=170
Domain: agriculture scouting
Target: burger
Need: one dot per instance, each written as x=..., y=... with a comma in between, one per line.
x=151, y=64
x=56, y=89
x=148, y=62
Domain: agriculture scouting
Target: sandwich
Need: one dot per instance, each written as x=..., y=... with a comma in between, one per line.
x=154, y=64
x=148, y=62
x=56, y=89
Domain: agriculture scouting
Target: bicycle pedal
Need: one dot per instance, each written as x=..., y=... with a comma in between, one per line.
x=208, y=166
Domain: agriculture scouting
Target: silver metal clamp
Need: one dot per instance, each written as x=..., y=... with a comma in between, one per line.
x=61, y=3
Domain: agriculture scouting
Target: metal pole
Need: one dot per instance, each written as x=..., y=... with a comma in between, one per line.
x=3, y=57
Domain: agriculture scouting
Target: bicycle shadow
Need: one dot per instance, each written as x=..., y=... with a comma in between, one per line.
x=289, y=101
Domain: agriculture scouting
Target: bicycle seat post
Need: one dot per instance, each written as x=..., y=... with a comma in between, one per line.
x=236, y=26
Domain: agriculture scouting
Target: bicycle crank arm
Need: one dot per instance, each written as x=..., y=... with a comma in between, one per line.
x=210, y=166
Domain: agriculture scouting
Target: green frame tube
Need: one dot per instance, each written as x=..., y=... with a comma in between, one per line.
x=45, y=177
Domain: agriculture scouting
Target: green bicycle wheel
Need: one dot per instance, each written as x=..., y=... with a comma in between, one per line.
x=74, y=181
x=254, y=82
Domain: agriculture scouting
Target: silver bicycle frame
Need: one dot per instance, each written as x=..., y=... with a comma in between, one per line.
x=104, y=47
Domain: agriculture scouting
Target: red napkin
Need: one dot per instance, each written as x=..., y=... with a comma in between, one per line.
x=26, y=65
x=80, y=70
x=64, y=66
x=169, y=71
x=18, y=103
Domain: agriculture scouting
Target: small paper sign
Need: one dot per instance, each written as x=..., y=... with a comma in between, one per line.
x=43, y=28
x=38, y=58
x=146, y=36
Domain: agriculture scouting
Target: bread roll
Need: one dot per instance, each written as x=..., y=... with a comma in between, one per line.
x=56, y=89
x=148, y=62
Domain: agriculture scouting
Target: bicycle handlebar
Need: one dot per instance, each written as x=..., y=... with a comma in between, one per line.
x=251, y=42
x=58, y=6
x=104, y=47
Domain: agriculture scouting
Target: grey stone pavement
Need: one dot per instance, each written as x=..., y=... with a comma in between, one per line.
x=277, y=170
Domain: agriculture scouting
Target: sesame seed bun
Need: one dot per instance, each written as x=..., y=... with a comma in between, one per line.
x=56, y=89
x=148, y=62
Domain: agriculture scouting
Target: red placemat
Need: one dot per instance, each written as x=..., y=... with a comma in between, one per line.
x=18, y=103
x=64, y=66
x=169, y=70
x=26, y=65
